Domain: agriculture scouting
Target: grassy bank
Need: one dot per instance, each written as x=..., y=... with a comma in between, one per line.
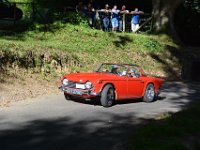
x=68, y=48
x=178, y=132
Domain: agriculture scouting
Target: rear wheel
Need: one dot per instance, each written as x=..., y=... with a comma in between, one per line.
x=149, y=94
x=107, y=96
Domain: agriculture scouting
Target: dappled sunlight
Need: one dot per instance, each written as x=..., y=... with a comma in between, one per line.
x=63, y=133
x=183, y=94
x=171, y=62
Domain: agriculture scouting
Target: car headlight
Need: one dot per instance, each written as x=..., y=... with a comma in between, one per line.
x=65, y=82
x=88, y=85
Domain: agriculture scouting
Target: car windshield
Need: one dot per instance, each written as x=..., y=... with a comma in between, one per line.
x=113, y=68
x=120, y=69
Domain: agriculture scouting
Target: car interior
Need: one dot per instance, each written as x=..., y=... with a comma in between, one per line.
x=121, y=70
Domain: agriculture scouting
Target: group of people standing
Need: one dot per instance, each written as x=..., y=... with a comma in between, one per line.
x=113, y=16
x=117, y=17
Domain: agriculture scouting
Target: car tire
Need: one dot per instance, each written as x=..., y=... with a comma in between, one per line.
x=107, y=96
x=149, y=94
x=67, y=97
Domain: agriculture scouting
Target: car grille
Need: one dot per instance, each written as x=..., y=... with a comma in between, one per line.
x=75, y=85
x=71, y=84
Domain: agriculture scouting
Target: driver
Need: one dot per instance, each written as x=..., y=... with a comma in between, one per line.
x=114, y=69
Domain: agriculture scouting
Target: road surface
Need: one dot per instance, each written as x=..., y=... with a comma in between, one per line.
x=52, y=123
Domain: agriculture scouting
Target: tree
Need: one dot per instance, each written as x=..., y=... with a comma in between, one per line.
x=163, y=15
x=163, y=12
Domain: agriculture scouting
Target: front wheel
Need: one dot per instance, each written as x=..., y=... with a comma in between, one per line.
x=107, y=96
x=149, y=94
x=67, y=97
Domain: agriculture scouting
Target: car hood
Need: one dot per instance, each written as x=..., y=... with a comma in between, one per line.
x=93, y=77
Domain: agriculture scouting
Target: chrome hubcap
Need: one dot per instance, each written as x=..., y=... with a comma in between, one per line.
x=150, y=93
x=110, y=96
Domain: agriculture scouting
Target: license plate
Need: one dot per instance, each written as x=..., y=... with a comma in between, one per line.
x=74, y=91
x=80, y=86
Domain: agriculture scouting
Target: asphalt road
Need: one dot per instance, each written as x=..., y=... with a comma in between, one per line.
x=52, y=123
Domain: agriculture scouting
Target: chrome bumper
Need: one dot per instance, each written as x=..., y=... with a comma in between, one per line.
x=78, y=92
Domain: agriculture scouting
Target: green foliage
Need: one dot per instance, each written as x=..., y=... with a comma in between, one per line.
x=193, y=5
x=26, y=7
x=50, y=12
x=174, y=132
x=152, y=45
x=76, y=19
x=66, y=47
x=147, y=43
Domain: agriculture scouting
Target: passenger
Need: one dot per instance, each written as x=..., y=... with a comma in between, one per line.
x=115, y=18
x=135, y=20
x=131, y=73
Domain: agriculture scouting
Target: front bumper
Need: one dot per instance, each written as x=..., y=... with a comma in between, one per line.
x=79, y=92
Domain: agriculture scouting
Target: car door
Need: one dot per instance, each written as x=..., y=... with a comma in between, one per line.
x=120, y=82
x=134, y=87
x=121, y=88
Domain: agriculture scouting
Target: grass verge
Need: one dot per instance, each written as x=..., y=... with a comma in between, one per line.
x=68, y=48
x=178, y=132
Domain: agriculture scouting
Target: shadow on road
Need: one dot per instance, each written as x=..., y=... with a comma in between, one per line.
x=182, y=94
x=64, y=134
x=96, y=102
x=95, y=132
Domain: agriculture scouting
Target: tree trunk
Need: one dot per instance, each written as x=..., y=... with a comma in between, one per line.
x=163, y=15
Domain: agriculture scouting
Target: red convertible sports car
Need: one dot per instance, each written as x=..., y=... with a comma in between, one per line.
x=111, y=82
